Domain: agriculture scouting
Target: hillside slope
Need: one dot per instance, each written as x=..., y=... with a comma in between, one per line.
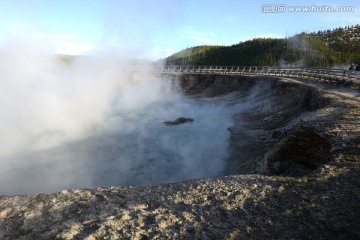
x=319, y=49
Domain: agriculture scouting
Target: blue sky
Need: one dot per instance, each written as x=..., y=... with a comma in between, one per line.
x=157, y=28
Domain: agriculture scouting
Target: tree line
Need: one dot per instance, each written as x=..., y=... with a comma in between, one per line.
x=318, y=49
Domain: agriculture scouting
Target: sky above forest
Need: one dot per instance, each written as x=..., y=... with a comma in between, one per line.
x=155, y=29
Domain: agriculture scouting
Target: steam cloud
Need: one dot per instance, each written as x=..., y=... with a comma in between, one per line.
x=95, y=123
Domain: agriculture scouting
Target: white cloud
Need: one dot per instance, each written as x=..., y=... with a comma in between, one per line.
x=340, y=19
x=62, y=43
x=232, y=19
x=158, y=53
x=73, y=48
x=189, y=30
x=64, y=36
x=199, y=36
x=204, y=40
x=166, y=51
x=69, y=43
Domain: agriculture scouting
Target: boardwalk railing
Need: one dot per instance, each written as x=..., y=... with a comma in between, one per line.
x=321, y=74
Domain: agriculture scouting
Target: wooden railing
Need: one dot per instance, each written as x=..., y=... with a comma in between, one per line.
x=342, y=76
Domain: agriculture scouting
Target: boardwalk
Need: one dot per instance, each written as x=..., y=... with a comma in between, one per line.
x=340, y=76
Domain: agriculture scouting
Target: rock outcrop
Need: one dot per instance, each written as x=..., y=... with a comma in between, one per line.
x=302, y=151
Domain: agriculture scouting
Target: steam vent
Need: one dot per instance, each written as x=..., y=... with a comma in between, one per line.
x=292, y=171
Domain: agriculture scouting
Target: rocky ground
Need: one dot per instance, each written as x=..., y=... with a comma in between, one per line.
x=294, y=191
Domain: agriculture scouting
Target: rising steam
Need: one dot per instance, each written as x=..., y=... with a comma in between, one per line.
x=97, y=122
